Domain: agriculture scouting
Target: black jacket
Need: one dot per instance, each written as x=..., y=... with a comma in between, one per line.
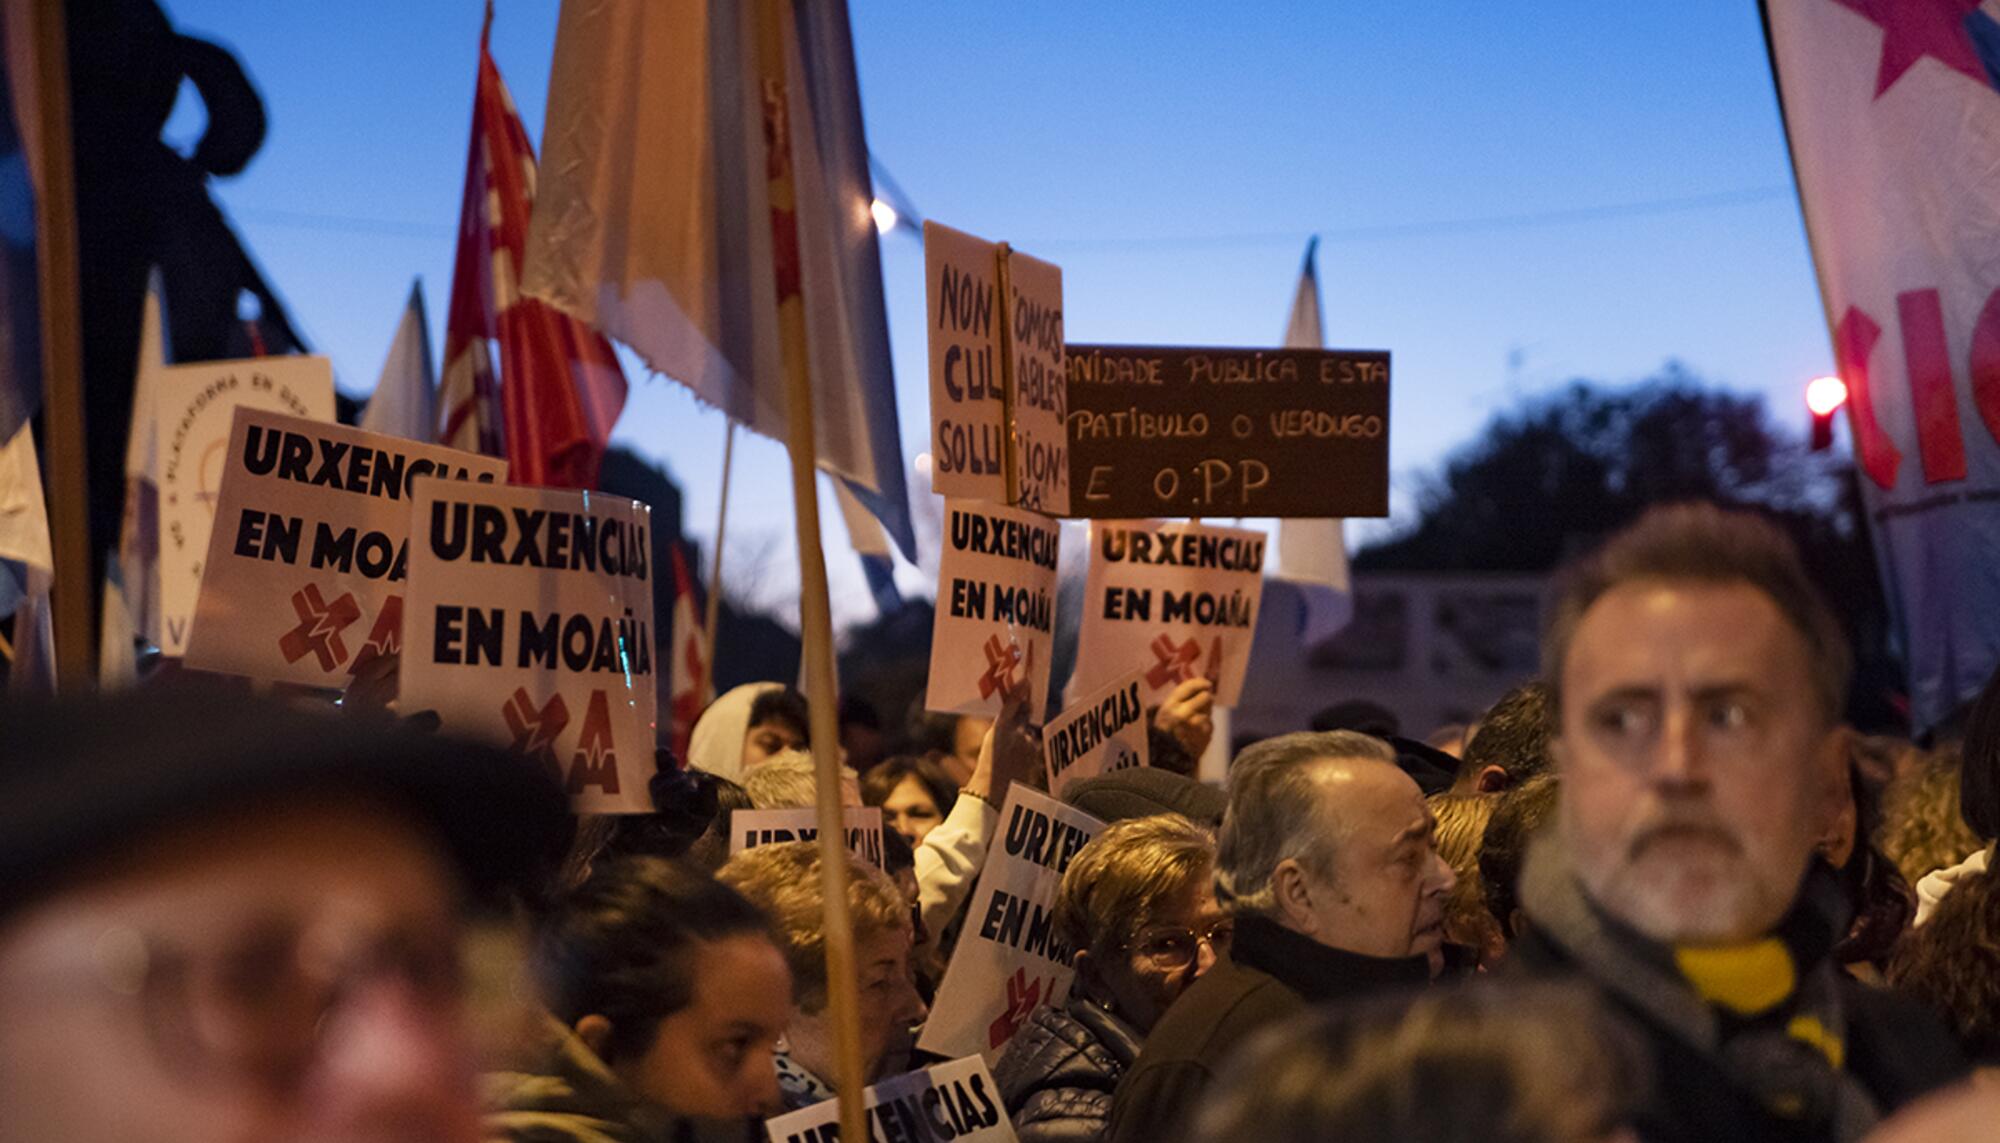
x=1058, y=1074
x=1272, y=973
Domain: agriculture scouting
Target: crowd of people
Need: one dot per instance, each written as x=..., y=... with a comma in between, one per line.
x=1661, y=893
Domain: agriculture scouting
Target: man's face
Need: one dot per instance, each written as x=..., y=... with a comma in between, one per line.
x=1386, y=896
x=284, y=972
x=1694, y=759
x=768, y=738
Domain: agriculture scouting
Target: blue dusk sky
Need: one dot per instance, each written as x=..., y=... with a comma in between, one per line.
x=1508, y=196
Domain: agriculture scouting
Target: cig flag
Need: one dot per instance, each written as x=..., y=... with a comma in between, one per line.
x=1893, y=114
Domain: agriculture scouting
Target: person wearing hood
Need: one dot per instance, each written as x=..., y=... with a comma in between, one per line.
x=745, y=727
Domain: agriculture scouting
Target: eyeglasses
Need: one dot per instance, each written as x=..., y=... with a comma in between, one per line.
x=1174, y=947
x=260, y=1005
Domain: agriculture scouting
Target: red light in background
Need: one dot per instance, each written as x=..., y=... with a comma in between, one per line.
x=1824, y=395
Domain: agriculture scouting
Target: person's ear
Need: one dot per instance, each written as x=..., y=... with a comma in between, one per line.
x=595, y=1032
x=1085, y=965
x=1292, y=890
x=1491, y=780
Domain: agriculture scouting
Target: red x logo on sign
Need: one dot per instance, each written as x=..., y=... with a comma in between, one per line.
x=1022, y=996
x=1001, y=659
x=535, y=728
x=1176, y=661
x=320, y=625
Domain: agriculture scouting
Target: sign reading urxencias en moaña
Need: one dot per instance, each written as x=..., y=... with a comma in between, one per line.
x=306, y=563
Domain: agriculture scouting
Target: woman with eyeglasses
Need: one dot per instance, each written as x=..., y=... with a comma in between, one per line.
x=1138, y=906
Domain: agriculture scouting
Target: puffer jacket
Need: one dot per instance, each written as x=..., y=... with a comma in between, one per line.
x=1057, y=1075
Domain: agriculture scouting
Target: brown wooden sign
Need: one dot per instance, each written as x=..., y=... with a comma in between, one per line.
x=1160, y=431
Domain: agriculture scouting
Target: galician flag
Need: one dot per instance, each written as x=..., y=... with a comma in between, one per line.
x=1313, y=553
x=655, y=221
x=404, y=403
x=1892, y=108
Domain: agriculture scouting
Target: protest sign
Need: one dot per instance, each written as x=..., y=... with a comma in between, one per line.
x=1102, y=732
x=529, y=622
x=955, y=1102
x=962, y=290
x=306, y=561
x=192, y=406
x=1157, y=431
x=998, y=388
x=1037, y=397
x=749, y=829
x=1008, y=958
x=1178, y=600
x=996, y=608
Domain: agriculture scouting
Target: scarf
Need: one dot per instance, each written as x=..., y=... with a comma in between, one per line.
x=1766, y=1012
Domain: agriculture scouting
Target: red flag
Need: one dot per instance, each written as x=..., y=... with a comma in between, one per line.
x=561, y=386
x=688, y=691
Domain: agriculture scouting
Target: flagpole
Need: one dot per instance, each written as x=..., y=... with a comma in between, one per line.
x=816, y=622
x=714, y=618
x=62, y=358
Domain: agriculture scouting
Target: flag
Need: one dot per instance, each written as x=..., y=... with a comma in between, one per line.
x=871, y=544
x=560, y=387
x=27, y=563
x=130, y=608
x=1892, y=111
x=1312, y=554
x=689, y=671
x=404, y=403
x=655, y=219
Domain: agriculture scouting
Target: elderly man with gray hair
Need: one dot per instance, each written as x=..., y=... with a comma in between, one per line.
x=1327, y=862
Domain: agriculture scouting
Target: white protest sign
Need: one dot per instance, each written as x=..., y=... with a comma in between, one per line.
x=1039, y=398
x=306, y=561
x=962, y=296
x=528, y=618
x=1179, y=600
x=955, y=1102
x=192, y=408
x=749, y=829
x=1102, y=732
x=999, y=382
x=1008, y=958
x=996, y=608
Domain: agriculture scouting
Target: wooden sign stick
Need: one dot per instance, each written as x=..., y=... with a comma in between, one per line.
x=1010, y=446
x=815, y=613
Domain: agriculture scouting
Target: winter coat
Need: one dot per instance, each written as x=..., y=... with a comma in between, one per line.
x=1057, y=1075
x=568, y=1095
x=1270, y=974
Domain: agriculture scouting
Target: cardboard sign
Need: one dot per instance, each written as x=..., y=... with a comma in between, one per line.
x=528, y=621
x=1038, y=399
x=749, y=829
x=303, y=581
x=1155, y=431
x=956, y=1102
x=996, y=608
x=1102, y=732
x=962, y=295
x=999, y=400
x=1008, y=959
x=192, y=407
x=1171, y=600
